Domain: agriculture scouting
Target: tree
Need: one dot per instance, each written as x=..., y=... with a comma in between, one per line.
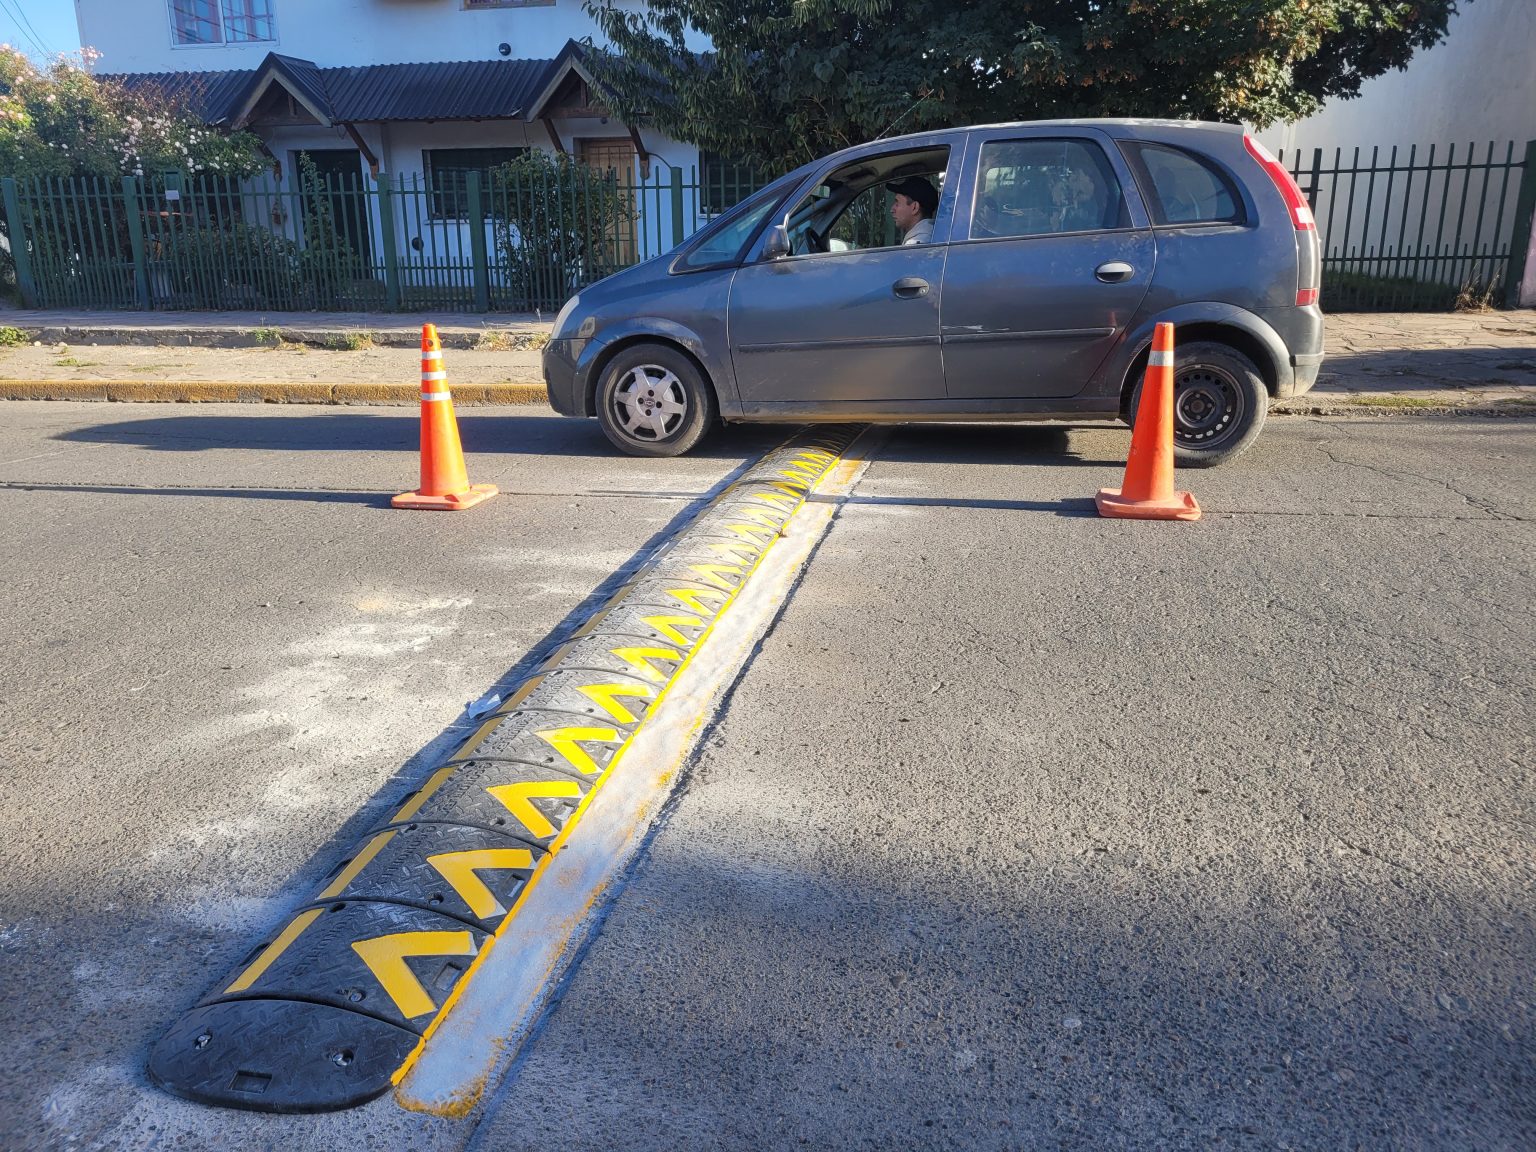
x=788, y=80
x=62, y=121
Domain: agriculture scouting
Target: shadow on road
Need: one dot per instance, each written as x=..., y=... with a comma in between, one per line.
x=332, y=431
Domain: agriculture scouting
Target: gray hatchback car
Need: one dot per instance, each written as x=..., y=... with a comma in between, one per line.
x=1056, y=246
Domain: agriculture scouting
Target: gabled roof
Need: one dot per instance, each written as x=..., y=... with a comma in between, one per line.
x=449, y=90
x=571, y=62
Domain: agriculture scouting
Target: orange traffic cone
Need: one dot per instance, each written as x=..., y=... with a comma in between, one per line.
x=444, y=483
x=1147, y=491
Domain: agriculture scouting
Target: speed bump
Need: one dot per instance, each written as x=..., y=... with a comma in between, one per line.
x=334, y=1007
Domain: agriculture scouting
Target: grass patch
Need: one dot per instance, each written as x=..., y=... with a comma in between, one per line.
x=13, y=337
x=71, y=362
x=268, y=337
x=153, y=367
x=1520, y=401
x=1393, y=402
x=348, y=341
x=508, y=340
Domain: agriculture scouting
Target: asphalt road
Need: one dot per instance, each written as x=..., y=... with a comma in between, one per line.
x=1023, y=829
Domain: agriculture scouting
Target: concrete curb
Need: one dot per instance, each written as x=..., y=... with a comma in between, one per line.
x=201, y=391
x=1307, y=406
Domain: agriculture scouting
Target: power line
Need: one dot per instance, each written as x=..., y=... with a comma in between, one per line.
x=24, y=26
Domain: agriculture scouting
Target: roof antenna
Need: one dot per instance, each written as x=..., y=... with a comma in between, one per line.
x=903, y=116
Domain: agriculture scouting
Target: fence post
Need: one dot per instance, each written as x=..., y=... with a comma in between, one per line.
x=1520, y=282
x=475, y=208
x=135, y=223
x=17, y=233
x=677, y=207
x=387, y=234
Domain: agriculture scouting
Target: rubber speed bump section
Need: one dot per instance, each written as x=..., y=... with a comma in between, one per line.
x=335, y=1005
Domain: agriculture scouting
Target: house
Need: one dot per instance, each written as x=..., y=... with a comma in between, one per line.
x=420, y=92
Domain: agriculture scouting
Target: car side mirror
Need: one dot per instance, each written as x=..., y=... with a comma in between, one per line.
x=776, y=243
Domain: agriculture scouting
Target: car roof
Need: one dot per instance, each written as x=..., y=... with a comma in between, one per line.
x=1112, y=122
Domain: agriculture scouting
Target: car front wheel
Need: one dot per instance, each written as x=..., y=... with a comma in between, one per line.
x=1219, y=404
x=653, y=401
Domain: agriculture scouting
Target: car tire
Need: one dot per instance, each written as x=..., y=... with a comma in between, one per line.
x=652, y=400
x=1219, y=404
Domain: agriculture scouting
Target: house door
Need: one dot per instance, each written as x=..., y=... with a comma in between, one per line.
x=343, y=197
x=615, y=155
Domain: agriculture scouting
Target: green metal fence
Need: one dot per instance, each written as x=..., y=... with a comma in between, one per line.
x=1422, y=230
x=321, y=242
x=1425, y=229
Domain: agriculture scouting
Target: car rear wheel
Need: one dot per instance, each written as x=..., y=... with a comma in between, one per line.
x=1219, y=403
x=653, y=401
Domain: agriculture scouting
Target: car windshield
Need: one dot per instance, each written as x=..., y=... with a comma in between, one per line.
x=722, y=241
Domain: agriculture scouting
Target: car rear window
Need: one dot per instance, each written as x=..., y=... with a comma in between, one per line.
x=1041, y=187
x=1185, y=189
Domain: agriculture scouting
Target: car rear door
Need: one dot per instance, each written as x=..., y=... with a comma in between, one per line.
x=1050, y=257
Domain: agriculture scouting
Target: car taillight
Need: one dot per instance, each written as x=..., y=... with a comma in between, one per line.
x=1301, y=213
x=1306, y=296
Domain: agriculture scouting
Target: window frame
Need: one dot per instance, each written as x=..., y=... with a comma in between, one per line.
x=1130, y=194
x=1132, y=150
x=223, y=41
x=429, y=168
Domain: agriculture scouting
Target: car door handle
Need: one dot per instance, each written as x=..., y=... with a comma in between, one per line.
x=1114, y=272
x=910, y=286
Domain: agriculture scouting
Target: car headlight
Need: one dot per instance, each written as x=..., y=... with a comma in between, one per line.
x=564, y=315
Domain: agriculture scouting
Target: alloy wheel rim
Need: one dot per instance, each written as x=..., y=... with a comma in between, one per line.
x=650, y=403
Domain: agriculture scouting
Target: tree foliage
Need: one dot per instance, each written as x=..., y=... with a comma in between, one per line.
x=788, y=80
x=62, y=121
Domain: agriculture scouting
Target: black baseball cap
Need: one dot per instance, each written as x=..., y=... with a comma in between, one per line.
x=919, y=191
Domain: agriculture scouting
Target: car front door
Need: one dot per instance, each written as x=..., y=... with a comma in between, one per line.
x=851, y=319
x=1050, y=258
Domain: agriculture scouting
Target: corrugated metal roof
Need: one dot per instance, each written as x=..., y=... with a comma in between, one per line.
x=209, y=94
x=450, y=90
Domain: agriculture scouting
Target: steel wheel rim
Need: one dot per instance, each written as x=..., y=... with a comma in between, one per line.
x=1207, y=405
x=650, y=403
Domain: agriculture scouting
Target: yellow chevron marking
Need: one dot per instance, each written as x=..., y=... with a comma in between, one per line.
x=741, y=553
x=567, y=742
x=751, y=532
x=691, y=598
x=356, y=865
x=273, y=950
x=459, y=869
x=603, y=696
x=664, y=625
x=518, y=800
x=639, y=660
x=385, y=957
x=763, y=516
x=793, y=481
x=711, y=574
x=789, y=498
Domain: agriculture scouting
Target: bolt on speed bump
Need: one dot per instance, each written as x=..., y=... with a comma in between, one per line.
x=335, y=1006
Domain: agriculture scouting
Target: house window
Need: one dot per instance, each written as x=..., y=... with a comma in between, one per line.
x=197, y=22
x=446, y=172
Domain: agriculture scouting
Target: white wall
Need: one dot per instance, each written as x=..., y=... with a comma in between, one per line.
x=135, y=35
x=1478, y=84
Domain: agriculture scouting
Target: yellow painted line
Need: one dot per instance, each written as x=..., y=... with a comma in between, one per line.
x=273, y=950
x=459, y=870
x=413, y=805
x=386, y=955
x=347, y=874
x=568, y=742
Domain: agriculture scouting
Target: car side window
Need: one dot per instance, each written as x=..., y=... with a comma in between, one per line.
x=1041, y=187
x=1185, y=188
x=854, y=207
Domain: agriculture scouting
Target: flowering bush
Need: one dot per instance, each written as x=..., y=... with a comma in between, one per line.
x=63, y=121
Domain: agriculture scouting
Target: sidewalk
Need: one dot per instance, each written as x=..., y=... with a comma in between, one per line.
x=1464, y=362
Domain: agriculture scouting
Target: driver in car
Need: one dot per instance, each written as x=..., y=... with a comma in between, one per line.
x=916, y=202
